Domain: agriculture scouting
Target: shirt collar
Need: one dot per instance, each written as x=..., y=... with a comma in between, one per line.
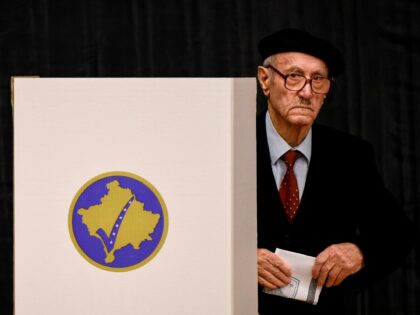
x=278, y=146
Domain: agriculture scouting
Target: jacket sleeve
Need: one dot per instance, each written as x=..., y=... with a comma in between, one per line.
x=386, y=235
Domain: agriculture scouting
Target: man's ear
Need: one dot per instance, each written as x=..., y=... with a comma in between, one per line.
x=264, y=79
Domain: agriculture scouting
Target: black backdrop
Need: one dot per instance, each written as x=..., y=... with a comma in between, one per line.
x=377, y=98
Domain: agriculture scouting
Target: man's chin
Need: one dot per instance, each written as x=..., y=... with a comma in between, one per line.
x=301, y=120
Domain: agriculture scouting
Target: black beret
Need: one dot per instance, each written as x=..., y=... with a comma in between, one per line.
x=288, y=40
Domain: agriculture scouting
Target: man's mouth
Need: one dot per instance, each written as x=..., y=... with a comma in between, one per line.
x=303, y=107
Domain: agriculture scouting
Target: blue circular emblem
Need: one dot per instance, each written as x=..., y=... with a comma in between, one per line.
x=118, y=221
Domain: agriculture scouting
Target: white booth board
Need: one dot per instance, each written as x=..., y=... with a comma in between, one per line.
x=135, y=196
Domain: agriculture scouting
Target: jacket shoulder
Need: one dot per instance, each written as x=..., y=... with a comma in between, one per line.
x=338, y=140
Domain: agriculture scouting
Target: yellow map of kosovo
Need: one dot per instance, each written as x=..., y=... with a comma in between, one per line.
x=119, y=220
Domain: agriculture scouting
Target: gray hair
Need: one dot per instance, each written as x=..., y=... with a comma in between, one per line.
x=268, y=61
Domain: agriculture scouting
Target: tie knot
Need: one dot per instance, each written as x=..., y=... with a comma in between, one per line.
x=290, y=157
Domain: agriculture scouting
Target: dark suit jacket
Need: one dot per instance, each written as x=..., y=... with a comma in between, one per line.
x=344, y=201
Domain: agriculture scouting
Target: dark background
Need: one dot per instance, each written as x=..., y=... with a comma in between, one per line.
x=378, y=97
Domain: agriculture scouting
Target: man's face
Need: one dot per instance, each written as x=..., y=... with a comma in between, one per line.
x=295, y=108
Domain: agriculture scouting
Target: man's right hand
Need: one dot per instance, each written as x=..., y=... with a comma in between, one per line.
x=273, y=272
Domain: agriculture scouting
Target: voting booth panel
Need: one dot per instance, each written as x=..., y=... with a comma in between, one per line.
x=135, y=196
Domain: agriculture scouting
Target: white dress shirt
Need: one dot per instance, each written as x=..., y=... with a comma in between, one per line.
x=278, y=146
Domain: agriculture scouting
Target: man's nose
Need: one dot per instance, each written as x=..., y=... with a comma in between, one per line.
x=306, y=91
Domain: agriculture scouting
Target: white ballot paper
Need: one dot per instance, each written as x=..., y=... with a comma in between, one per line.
x=302, y=287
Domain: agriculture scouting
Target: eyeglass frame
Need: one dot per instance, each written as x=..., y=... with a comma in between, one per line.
x=285, y=76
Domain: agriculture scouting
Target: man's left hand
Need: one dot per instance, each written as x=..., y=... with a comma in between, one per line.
x=336, y=263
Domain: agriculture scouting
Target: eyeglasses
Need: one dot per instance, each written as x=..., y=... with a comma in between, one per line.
x=296, y=82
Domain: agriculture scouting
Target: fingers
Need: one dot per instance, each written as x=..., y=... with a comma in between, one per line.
x=272, y=280
x=324, y=273
x=273, y=272
x=319, y=264
x=341, y=276
x=332, y=276
x=336, y=263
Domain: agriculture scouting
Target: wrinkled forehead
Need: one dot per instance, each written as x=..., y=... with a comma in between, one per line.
x=300, y=61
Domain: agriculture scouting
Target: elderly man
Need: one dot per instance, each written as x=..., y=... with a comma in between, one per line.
x=319, y=191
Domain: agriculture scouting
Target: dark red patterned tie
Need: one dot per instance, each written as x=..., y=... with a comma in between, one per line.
x=289, y=191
